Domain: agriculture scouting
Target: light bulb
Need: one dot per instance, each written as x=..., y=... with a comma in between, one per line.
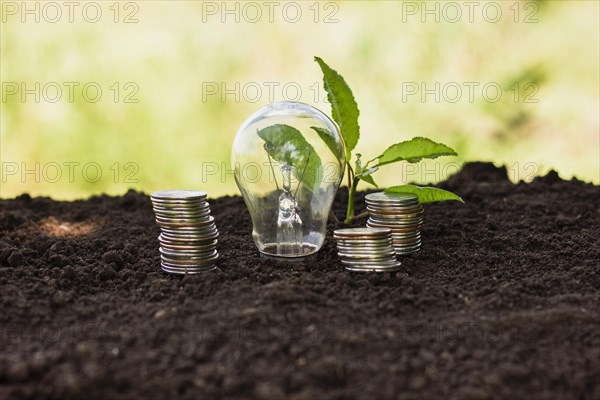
x=288, y=160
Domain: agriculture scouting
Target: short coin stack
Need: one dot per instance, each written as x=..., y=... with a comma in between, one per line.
x=188, y=236
x=400, y=212
x=366, y=249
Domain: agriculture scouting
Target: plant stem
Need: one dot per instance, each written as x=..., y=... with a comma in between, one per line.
x=351, y=194
x=350, y=174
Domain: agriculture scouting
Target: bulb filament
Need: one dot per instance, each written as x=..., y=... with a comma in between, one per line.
x=289, y=223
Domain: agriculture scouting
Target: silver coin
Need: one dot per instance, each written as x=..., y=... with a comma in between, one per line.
x=407, y=252
x=359, y=232
x=188, y=246
x=398, y=229
x=200, y=253
x=395, y=268
x=208, y=233
x=179, y=221
x=405, y=246
x=191, y=254
x=187, y=261
x=183, y=207
x=367, y=263
x=179, y=237
x=400, y=244
x=406, y=242
x=181, y=210
x=183, y=230
x=385, y=208
x=179, y=215
x=178, y=194
x=392, y=203
x=187, y=270
x=179, y=265
x=170, y=262
x=396, y=216
x=394, y=226
x=351, y=248
x=396, y=219
x=188, y=241
x=190, y=250
x=179, y=203
x=395, y=198
x=190, y=237
x=175, y=201
x=186, y=228
x=390, y=210
x=406, y=235
x=210, y=220
x=366, y=256
x=365, y=242
x=360, y=251
x=366, y=253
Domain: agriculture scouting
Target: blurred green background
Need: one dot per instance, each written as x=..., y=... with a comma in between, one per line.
x=101, y=97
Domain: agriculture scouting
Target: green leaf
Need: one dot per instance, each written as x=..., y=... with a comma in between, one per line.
x=425, y=194
x=329, y=140
x=286, y=145
x=368, y=179
x=344, y=109
x=413, y=151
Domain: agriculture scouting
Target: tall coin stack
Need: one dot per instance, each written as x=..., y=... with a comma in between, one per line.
x=400, y=212
x=188, y=237
x=366, y=249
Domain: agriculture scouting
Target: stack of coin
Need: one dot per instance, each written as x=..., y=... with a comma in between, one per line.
x=188, y=238
x=400, y=212
x=366, y=249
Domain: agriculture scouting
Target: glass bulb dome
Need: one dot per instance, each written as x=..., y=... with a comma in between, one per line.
x=288, y=160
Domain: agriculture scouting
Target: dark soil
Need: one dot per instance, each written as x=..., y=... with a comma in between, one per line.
x=503, y=301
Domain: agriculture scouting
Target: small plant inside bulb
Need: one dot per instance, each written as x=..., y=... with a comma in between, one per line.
x=289, y=223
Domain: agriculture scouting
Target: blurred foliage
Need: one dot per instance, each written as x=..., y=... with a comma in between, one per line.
x=177, y=133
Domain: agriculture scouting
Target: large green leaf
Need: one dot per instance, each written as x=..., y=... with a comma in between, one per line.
x=286, y=145
x=344, y=109
x=414, y=150
x=329, y=140
x=425, y=194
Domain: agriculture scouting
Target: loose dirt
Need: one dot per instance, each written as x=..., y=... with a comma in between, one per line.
x=502, y=302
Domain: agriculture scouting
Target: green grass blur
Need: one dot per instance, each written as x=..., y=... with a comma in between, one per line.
x=544, y=55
